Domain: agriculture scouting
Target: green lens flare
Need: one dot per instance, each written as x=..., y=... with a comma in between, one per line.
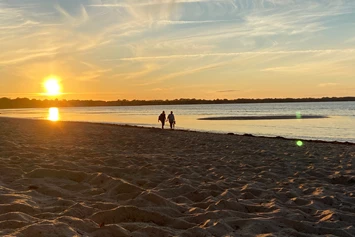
x=298, y=115
x=299, y=143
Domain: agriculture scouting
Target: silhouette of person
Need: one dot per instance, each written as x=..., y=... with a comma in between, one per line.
x=171, y=118
x=162, y=118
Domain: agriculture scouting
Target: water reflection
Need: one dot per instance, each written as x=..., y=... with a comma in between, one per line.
x=53, y=114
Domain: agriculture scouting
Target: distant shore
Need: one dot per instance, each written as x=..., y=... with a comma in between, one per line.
x=87, y=179
x=7, y=103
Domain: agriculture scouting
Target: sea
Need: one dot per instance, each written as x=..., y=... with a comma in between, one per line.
x=339, y=124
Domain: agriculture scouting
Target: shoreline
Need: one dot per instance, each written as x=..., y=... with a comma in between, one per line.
x=276, y=117
x=90, y=179
x=188, y=130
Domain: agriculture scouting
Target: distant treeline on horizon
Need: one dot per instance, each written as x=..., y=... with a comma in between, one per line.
x=7, y=103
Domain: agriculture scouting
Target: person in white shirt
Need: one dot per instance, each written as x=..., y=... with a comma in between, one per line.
x=171, y=119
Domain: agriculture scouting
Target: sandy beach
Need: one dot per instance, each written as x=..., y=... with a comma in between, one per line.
x=82, y=179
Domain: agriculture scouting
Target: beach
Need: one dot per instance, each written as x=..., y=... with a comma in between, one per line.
x=87, y=179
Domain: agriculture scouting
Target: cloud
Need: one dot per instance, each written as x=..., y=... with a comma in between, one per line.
x=185, y=72
x=143, y=3
x=324, y=67
x=30, y=56
x=260, y=19
x=91, y=75
x=228, y=91
x=166, y=22
x=350, y=40
x=144, y=42
x=74, y=20
x=138, y=74
x=162, y=89
x=328, y=84
x=232, y=54
x=289, y=69
x=28, y=35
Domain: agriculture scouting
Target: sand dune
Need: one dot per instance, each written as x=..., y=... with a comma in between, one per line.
x=78, y=179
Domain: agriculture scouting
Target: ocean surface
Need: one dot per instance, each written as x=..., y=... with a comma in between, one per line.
x=338, y=126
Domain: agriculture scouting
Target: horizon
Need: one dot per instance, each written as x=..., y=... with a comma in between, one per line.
x=160, y=49
x=326, y=99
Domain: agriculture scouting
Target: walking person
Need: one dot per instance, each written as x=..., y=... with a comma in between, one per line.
x=162, y=118
x=171, y=118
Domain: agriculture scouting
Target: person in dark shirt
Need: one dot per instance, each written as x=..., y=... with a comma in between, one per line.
x=162, y=118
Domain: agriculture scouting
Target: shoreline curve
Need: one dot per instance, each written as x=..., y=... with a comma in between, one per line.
x=276, y=137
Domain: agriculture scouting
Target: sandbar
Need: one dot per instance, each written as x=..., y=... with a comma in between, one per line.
x=276, y=117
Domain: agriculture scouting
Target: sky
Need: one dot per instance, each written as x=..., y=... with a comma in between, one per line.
x=170, y=49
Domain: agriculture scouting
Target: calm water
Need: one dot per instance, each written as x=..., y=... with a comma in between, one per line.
x=338, y=127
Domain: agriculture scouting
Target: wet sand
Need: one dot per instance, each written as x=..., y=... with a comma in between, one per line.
x=82, y=179
x=277, y=117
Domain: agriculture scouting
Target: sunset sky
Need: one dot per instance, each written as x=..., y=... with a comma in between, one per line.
x=168, y=49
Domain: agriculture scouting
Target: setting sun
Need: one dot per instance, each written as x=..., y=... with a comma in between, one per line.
x=52, y=86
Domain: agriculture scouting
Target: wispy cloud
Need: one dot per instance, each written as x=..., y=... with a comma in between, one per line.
x=189, y=71
x=166, y=22
x=144, y=71
x=227, y=91
x=143, y=3
x=29, y=56
x=74, y=20
x=182, y=56
x=328, y=84
x=351, y=40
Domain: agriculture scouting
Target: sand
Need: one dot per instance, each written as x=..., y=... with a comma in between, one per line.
x=81, y=179
x=271, y=117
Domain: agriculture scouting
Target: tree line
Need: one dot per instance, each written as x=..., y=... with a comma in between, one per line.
x=7, y=103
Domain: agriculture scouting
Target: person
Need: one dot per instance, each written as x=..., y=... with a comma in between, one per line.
x=162, y=118
x=171, y=119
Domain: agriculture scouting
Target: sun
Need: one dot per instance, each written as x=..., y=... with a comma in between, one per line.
x=52, y=86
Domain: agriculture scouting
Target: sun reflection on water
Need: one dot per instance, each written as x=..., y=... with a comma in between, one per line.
x=53, y=114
